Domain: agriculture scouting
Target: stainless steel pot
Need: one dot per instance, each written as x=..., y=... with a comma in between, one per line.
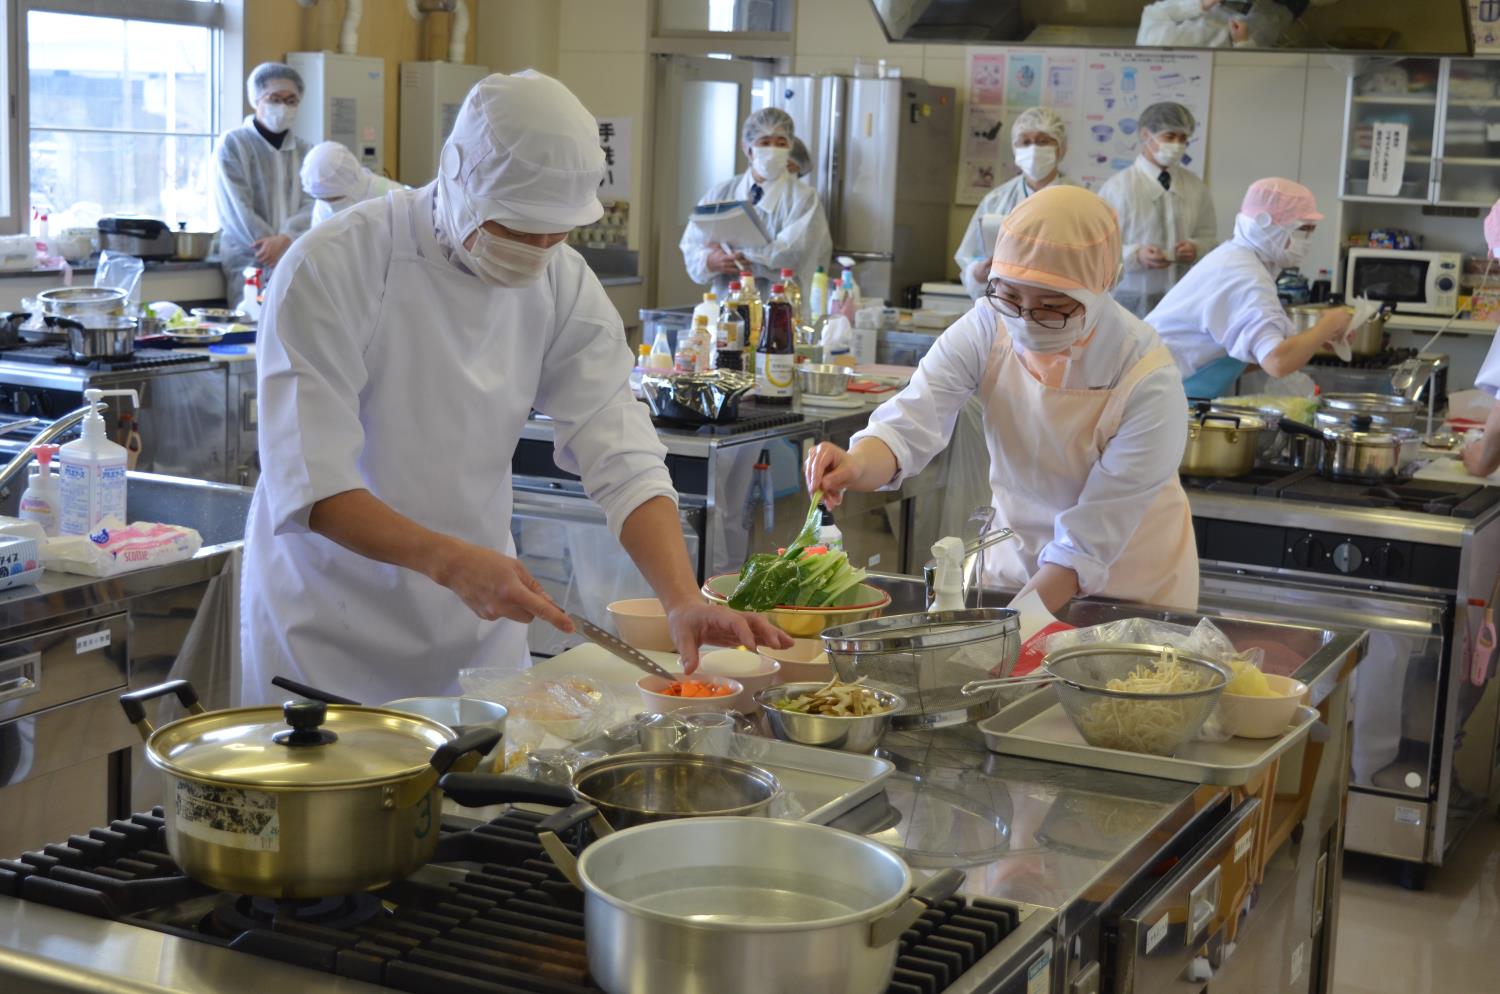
x=10, y=328
x=1368, y=339
x=1384, y=409
x=98, y=337
x=192, y=246
x=636, y=789
x=80, y=302
x=303, y=801
x=1222, y=443
x=1357, y=451
x=742, y=906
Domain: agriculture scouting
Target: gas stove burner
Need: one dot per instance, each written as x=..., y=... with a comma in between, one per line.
x=242, y=913
x=1380, y=360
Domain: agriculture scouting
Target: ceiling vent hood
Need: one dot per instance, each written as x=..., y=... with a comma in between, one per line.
x=1385, y=27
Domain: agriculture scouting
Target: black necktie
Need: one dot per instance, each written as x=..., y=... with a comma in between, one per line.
x=1165, y=179
x=756, y=193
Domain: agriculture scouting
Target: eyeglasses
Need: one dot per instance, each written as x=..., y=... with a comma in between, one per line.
x=1048, y=317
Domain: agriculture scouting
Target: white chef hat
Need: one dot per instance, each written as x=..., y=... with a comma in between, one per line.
x=331, y=171
x=524, y=152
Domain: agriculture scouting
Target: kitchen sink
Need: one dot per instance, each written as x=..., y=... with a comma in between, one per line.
x=217, y=510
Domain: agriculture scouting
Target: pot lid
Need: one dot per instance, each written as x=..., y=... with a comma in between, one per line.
x=1361, y=430
x=301, y=744
x=1368, y=403
x=1207, y=418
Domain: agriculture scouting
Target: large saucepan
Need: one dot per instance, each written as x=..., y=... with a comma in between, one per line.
x=1357, y=451
x=302, y=801
x=1367, y=340
x=739, y=905
x=1223, y=443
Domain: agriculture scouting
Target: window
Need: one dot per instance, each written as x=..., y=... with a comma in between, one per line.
x=122, y=110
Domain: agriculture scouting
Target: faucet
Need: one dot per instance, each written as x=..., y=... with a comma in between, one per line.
x=44, y=437
x=973, y=578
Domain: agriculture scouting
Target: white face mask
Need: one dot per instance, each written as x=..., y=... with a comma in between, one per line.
x=1168, y=153
x=769, y=162
x=1046, y=341
x=277, y=117
x=1296, y=249
x=1036, y=162
x=509, y=263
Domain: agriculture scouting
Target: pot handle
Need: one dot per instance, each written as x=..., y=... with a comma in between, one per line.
x=1292, y=427
x=471, y=741
x=311, y=693
x=474, y=790
x=936, y=890
x=134, y=703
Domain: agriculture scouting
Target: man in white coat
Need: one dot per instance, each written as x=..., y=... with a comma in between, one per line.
x=788, y=206
x=1039, y=141
x=1166, y=215
x=403, y=346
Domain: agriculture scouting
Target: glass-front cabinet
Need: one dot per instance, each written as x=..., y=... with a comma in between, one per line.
x=1423, y=131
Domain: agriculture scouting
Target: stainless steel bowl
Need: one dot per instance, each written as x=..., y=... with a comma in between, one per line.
x=1158, y=724
x=218, y=315
x=637, y=788
x=81, y=302
x=822, y=379
x=856, y=733
x=926, y=659
x=192, y=246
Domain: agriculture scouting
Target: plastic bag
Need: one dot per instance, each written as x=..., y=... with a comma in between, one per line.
x=122, y=272
x=1205, y=641
x=567, y=706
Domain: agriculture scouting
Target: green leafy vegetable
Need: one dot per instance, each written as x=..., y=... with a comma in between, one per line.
x=798, y=577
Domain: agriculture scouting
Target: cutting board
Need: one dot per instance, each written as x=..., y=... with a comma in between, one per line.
x=1450, y=469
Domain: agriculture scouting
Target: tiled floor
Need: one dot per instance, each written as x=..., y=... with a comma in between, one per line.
x=1441, y=940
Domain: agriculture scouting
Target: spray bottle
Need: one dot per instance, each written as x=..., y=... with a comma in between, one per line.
x=41, y=501
x=93, y=471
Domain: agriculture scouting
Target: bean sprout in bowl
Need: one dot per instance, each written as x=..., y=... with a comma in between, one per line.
x=1136, y=698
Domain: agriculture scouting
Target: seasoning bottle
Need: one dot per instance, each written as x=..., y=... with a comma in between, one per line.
x=793, y=293
x=777, y=351
x=729, y=352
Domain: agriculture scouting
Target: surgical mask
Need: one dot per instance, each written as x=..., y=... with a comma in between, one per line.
x=769, y=161
x=1046, y=341
x=1296, y=249
x=1168, y=153
x=508, y=263
x=1036, y=162
x=278, y=117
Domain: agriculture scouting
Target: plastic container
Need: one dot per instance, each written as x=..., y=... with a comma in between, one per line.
x=773, y=371
x=93, y=472
x=661, y=351
x=829, y=534
x=817, y=297
x=250, y=300
x=42, y=500
x=709, y=308
x=793, y=293
x=701, y=339
x=729, y=344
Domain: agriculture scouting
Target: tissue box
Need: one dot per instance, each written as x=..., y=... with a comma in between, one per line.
x=20, y=562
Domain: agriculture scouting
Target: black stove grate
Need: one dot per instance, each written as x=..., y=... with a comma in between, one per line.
x=1441, y=499
x=1380, y=360
x=746, y=423
x=513, y=925
x=56, y=355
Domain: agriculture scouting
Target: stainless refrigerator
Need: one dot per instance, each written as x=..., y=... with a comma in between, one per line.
x=884, y=157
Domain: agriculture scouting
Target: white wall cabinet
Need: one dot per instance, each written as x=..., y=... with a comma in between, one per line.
x=1451, y=108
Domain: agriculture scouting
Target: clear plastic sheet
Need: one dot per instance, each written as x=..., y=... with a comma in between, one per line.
x=1205, y=640
x=122, y=272
x=567, y=706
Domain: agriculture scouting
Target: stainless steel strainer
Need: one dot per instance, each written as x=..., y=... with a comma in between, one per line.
x=927, y=659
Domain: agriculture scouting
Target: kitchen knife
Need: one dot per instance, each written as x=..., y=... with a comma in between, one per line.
x=631, y=655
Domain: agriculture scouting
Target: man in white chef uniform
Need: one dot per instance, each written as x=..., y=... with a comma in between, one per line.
x=1166, y=215
x=404, y=344
x=788, y=207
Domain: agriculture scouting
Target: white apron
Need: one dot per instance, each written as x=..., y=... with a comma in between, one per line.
x=324, y=615
x=1043, y=443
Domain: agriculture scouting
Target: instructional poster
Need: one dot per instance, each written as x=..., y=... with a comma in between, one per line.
x=1100, y=93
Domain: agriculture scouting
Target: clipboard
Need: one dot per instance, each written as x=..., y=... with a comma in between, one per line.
x=731, y=223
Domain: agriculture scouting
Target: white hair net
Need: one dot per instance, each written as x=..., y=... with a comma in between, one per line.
x=525, y=152
x=264, y=77
x=768, y=121
x=1043, y=119
x=331, y=171
x=800, y=157
x=1167, y=116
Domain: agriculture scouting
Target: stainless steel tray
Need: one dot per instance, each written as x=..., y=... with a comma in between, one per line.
x=818, y=784
x=1035, y=727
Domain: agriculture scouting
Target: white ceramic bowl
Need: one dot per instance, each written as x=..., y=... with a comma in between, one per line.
x=804, y=662
x=657, y=701
x=642, y=624
x=1262, y=717
x=750, y=670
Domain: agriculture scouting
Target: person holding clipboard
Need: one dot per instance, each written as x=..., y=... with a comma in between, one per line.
x=788, y=230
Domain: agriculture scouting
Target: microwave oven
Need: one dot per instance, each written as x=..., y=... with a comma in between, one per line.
x=1416, y=282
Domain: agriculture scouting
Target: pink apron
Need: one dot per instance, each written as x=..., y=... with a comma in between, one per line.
x=1043, y=442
